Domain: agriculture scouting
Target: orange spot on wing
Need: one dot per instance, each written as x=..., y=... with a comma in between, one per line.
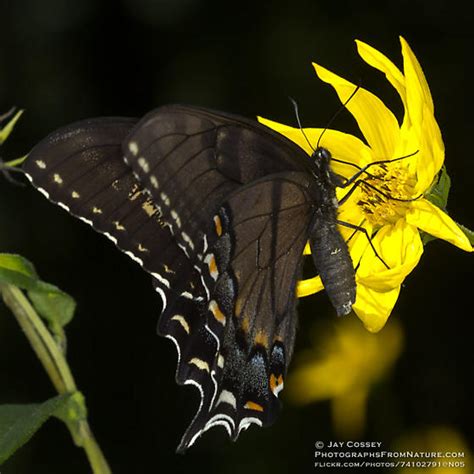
x=245, y=325
x=216, y=311
x=261, y=338
x=253, y=406
x=212, y=265
x=275, y=382
x=218, y=224
x=238, y=306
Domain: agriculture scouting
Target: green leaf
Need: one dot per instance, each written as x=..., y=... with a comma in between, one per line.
x=425, y=238
x=469, y=233
x=438, y=195
x=18, y=423
x=52, y=304
x=17, y=270
x=16, y=162
x=439, y=192
x=7, y=129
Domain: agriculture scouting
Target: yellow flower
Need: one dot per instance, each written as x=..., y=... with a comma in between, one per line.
x=359, y=359
x=392, y=202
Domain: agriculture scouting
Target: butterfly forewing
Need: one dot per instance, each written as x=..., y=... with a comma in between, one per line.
x=81, y=168
x=190, y=160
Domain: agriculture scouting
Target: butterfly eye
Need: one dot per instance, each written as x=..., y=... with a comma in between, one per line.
x=322, y=154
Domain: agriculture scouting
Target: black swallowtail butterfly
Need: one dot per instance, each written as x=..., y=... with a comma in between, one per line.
x=217, y=208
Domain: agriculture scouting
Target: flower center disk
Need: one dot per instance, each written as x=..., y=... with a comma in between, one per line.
x=383, y=193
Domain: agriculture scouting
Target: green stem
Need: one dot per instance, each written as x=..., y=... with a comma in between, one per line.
x=56, y=367
x=94, y=454
x=40, y=339
x=25, y=315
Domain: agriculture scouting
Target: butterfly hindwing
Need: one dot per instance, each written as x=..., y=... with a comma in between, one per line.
x=251, y=271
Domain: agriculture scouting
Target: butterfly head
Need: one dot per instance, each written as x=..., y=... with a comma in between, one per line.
x=322, y=161
x=322, y=157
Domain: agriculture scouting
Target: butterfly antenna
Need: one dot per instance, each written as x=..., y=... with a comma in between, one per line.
x=343, y=106
x=295, y=107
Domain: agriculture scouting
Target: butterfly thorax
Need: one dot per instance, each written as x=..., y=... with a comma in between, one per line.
x=326, y=182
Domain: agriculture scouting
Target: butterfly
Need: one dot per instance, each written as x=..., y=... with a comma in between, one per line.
x=217, y=209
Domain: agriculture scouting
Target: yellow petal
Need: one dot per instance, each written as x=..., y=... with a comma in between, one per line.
x=292, y=133
x=374, y=307
x=409, y=147
x=430, y=218
x=357, y=241
x=425, y=132
x=379, y=61
x=400, y=247
x=417, y=89
x=350, y=211
x=431, y=151
x=376, y=122
x=343, y=146
x=420, y=129
x=307, y=249
x=309, y=286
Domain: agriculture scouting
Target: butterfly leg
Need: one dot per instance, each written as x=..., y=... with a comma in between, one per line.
x=364, y=169
x=364, y=231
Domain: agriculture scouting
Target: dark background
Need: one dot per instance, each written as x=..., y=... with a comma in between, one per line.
x=63, y=61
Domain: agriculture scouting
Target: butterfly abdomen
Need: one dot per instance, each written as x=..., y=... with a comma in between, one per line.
x=333, y=263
